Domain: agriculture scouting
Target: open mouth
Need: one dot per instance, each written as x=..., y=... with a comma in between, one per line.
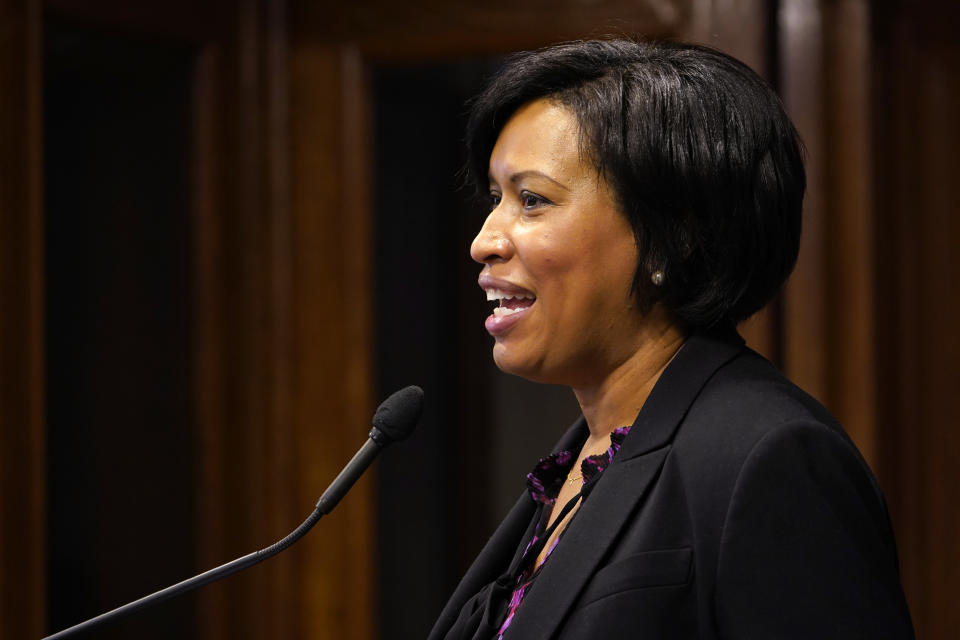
x=510, y=303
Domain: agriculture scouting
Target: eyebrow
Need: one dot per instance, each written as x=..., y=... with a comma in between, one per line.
x=531, y=173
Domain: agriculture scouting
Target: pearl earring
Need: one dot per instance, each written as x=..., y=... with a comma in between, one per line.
x=657, y=278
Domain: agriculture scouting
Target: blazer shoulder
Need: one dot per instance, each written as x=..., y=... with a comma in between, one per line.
x=748, y=408
x=748, y=398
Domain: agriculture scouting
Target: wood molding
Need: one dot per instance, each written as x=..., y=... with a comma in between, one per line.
x=829, y=347
x=209, y=345
x=738, y=27
x=332, y=407
x=851, y=273
x=805, y=304
x=246, y=359
x=383, y=29
x=22, y=429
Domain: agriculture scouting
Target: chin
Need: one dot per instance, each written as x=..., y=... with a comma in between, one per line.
x=512, y=365
x=527, y=368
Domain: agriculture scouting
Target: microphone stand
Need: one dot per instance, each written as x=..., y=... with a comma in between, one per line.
x=337, y=489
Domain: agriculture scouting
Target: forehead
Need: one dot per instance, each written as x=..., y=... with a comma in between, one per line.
x=542, y=135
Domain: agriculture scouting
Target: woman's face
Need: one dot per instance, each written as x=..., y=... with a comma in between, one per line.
x=557, y=254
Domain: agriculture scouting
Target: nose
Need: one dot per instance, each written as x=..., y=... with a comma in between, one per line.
x=492, y=243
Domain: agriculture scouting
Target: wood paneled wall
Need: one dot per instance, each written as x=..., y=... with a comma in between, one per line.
x=829, y=327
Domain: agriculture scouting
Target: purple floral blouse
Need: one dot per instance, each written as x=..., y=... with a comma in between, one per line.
x=544, y=484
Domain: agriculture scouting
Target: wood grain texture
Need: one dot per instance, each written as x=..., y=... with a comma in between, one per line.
x=806, y=345
x=829, y=314
x=208, y=345
x=431, y=28
x=332, y=288
x=22, y=535
x=738, y=27
x=850, y=214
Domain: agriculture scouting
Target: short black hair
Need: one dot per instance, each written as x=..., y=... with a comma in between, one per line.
x=703, y=160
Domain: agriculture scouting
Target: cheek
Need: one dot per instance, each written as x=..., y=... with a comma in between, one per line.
x=546, y=255
x=585, y=260
x=557, y=266
x=613, y=275
x=560, y=251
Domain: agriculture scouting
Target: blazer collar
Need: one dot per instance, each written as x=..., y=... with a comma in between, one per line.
x=696, y=362
x=622, y=485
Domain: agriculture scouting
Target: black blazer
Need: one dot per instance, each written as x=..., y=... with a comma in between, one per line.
x=736, y=508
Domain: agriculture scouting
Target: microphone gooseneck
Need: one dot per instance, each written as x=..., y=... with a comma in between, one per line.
x=394, y=419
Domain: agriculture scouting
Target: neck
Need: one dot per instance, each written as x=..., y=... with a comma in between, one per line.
x=615, y=400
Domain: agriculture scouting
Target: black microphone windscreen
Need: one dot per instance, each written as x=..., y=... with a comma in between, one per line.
x=398, y=415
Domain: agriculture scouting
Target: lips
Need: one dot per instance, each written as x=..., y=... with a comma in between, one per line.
x=515, y=302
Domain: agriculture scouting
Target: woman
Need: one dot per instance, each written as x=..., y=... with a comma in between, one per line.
x=644, y=199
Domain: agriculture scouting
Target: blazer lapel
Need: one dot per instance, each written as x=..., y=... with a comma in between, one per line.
x=586, y=540
x=622, y=485
x=679, y=385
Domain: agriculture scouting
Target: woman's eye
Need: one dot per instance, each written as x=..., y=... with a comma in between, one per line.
x=494, y=200
x=532, y=200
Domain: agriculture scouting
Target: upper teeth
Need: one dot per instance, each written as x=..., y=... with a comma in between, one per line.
x=497, y=294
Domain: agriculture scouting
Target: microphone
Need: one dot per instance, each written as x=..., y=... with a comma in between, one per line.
x=394, y=420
